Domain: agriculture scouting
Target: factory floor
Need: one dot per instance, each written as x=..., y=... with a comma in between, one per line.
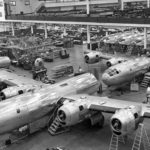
x=80, y=137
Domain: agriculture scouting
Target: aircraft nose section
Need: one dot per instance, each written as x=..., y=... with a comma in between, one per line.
x=105, y=78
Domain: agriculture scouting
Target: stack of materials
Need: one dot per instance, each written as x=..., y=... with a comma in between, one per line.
x=61, y=71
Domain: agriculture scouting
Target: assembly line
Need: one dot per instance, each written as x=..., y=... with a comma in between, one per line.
x=36, y=104
x=66, y=103
x=27, y=105
x=118, y=73
x=46, y=97
x=74, y=75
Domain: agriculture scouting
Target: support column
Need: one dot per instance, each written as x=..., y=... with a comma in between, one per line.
x=12, y=28
x=64, y=31
x=45, y=29
x=32, y=32
x=87, y=7
x=145, y=38
x=122, y=5
x=5, y=27
x=148, y=3
x=106, y=34
x=88, y=36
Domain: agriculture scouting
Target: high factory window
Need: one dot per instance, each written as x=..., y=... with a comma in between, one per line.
x=12, y=3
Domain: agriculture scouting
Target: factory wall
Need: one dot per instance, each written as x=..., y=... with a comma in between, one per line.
x=31, y=6
x=23, y=6
x=66, y=8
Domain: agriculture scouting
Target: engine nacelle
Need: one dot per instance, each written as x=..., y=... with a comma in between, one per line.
x=15, y=90
x=92, y=57
x=114, y=61
x=74, y=112
x=126, y=120
x=4, y=62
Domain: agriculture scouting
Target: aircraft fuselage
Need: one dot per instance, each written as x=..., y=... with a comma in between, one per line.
x=24, y=109
x=126, y=71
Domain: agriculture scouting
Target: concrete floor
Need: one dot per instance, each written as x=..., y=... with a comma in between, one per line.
x=81, y=137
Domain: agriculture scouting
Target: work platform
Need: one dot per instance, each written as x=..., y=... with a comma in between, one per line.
x=86, y=20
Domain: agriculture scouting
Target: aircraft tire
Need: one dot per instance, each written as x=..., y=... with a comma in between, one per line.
x=101, y=123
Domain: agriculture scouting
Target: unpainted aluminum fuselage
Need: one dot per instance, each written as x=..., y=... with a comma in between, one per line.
x=125, y=71
x=21, y=110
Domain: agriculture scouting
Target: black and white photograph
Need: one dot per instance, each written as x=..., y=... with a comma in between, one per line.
x=74, y=74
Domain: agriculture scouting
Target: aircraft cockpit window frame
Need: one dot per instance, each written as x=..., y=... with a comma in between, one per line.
x=113, y=72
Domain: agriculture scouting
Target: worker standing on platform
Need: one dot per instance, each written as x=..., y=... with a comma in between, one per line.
x=80, y=70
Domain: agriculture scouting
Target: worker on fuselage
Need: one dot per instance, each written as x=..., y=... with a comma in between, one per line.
x=80, y=69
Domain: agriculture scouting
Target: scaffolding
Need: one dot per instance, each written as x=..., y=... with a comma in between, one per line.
x=141, y=137
x=115, y=139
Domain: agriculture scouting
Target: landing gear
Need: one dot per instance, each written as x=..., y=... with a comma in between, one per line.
x=100, y=124
x=100, y=89
x=97, y=120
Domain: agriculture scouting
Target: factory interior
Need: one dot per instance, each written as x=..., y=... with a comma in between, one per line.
x=75, y=74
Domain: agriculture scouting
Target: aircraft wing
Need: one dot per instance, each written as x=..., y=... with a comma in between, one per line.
x=12, y=79
x=105, y=104
x=112, y=59
x=106, y=55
